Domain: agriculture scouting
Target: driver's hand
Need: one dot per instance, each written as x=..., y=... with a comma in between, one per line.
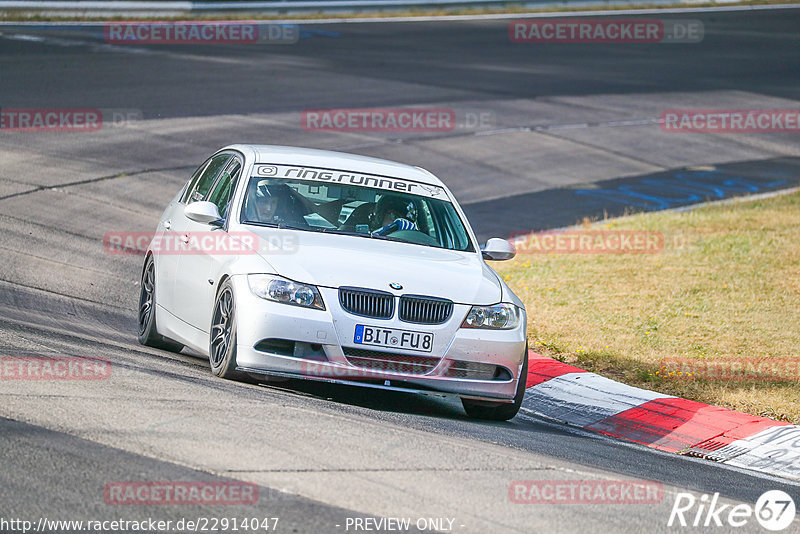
x=397, y=225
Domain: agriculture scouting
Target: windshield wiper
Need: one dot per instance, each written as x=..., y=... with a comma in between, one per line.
x=280, y=226
x=387, y=238
x=284, y=226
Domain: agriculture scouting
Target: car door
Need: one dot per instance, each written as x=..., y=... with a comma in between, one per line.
x=195, y=286
x=175, y=224
x=167, y=263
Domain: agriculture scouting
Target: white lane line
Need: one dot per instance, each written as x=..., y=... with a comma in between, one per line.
x=101, y=47
x=20, y=37
x=95, y=46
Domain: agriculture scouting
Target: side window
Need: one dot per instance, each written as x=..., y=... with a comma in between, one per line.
x=193, y=180
x=200, y=185
x=223, y=189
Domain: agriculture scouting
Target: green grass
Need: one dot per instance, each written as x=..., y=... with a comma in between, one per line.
x=20, y=15
x=725, y=288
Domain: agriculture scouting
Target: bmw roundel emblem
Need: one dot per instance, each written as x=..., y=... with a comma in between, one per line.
x=395, y=285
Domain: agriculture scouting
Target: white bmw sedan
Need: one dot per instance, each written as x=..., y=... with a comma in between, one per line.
x=289, y=262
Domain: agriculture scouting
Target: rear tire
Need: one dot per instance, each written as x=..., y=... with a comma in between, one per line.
x=490, y=411
x=148, y=331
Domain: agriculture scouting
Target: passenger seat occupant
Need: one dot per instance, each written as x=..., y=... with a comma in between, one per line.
x=394, y=213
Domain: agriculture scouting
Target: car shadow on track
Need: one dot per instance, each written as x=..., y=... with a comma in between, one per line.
x=373, y=399
x=390, y=402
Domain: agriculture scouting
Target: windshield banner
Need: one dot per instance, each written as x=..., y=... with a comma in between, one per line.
x=333, y=176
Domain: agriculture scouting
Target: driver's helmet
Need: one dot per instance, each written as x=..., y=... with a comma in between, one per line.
x=266, y=200
x=401, y=207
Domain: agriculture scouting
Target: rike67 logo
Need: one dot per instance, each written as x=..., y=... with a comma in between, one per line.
x=774, y=511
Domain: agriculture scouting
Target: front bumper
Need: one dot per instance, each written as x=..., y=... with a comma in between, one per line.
x=331, y=330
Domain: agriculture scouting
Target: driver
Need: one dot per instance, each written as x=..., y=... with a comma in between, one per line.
x=275, y=204
x=265, y=205
x=394, y=213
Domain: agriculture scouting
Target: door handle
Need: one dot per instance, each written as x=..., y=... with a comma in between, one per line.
x=167, y=225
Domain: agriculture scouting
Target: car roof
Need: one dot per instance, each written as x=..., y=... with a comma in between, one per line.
x=290, y=155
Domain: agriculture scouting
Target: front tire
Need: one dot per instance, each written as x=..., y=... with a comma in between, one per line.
x=148, y=331
x=499, y=412
x=222, y=344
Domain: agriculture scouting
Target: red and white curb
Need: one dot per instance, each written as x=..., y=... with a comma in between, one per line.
x=571, y=395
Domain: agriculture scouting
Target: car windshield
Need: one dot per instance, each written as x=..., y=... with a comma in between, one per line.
x=316, y=206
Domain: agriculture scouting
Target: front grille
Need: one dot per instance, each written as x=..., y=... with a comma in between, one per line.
x=476, y=371
x=386, y=361
x=367, y=302
x=424, y=310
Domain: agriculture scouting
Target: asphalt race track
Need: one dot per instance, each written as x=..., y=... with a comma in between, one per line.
x=536, y=125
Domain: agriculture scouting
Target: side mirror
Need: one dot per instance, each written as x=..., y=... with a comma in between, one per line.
x=498, y=249
x=203, y=212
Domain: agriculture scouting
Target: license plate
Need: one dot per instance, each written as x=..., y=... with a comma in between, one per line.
x=393, y=338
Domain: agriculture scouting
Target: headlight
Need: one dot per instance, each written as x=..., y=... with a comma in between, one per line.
x=498, y=317
x=285, y=291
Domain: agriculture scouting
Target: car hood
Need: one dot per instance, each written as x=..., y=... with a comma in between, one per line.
x=332, y=260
